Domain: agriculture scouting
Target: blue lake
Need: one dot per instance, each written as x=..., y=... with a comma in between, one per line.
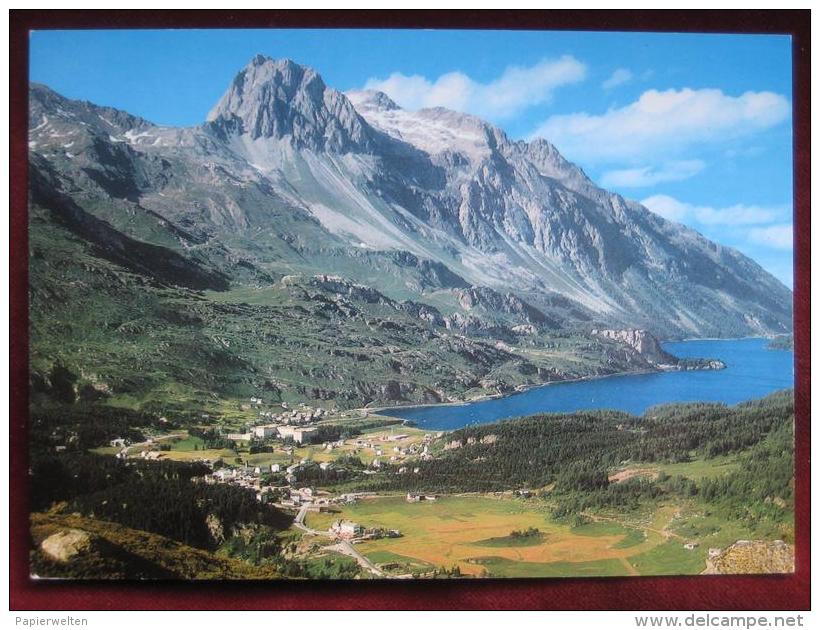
x=752, y=371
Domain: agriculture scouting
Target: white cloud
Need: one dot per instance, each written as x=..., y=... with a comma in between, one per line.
x=737, y=215
x=644, y=176
x=743, y=152
x=780, y=236
x=663, y=122
x=619, y=77
x=516, y=89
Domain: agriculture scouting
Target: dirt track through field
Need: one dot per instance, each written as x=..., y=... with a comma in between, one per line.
x=452, y=532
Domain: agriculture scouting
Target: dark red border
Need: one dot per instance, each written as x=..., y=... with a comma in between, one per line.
x=671, y=593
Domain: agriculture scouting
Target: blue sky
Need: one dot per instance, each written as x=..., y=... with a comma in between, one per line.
x=698, y=127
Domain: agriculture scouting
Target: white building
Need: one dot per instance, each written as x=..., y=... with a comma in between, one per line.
x=304, y=434
x=223, y=473
x=346, y=529
x=265, y=431
x=286, y=431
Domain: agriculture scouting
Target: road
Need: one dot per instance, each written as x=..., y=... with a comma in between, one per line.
x=299, y=521
x=344, y=547
x=665, y=532
x=150, y=442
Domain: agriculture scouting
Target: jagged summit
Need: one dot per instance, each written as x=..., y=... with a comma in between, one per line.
x=48, y=109
x=280, y=78
x=371, y=99
x=280, y=99
x=433, y=130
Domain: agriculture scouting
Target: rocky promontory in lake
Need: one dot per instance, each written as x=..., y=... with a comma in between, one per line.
x=650, y=349
x=782, y=342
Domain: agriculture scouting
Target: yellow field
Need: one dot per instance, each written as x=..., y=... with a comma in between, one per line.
x=189, y=456
x=459, y=531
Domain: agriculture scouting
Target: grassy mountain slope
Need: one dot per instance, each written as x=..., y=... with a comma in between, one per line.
x=124, y=324
x=116, y=552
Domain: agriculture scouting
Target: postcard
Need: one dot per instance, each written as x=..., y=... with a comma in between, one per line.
x=410, y=304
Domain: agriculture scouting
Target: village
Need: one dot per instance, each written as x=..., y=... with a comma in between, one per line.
x=310, y=462
x=274, y=449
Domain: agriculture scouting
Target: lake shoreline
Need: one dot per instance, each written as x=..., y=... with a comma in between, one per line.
x=521, y=390
x=525, y=388
x=749, y=371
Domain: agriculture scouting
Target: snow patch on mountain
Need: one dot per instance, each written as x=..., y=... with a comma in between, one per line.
x=436, y=130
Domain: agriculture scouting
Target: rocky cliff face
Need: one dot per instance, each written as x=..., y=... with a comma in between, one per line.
x=494, y=302
x=650, y=350
x=642, y=342
x=288, y=173
x=524, y=204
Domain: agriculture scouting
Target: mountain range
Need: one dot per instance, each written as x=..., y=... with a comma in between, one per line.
x=362, y=213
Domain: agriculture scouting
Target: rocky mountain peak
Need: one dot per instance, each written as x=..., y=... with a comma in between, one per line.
x=371, y=100
x=551, y=163
x=436, y=131
x=50, y=111
x=265, y=79
x=280, y=99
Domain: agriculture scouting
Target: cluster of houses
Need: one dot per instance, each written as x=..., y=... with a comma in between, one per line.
x=251, y=477
x=397, y=453
x=303, y=414
x=284, y=495
x=487, y=439
x=330, y=446
x=290, y=423
x=349, y=529
x=387, y=446
x=296, y=425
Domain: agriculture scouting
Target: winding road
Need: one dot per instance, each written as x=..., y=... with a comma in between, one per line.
x=299, y=521
x=342, y=546
x=346, y=548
